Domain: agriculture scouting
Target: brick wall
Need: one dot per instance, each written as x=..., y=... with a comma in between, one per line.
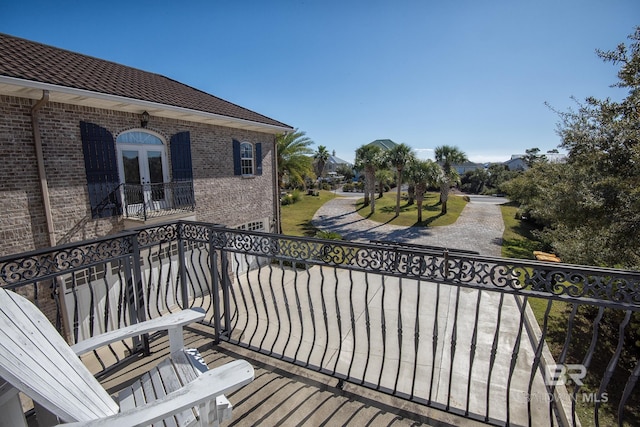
x=221, y=197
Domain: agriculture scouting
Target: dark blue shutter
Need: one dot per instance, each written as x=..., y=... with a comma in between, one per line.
x=259, y=158
x=182, y=169
x=237, y=168
x=101, y=168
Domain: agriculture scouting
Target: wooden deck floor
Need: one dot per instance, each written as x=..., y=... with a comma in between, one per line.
x=283, y=394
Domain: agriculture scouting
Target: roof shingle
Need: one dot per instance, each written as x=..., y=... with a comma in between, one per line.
x=28, y=60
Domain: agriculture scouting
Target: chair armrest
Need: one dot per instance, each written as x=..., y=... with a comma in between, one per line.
x=172, y=321
x=206, y=387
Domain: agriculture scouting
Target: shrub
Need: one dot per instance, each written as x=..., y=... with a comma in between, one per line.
x=296, y=195
x=331, y=235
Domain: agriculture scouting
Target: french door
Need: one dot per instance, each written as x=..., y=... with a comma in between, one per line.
x=144, y=172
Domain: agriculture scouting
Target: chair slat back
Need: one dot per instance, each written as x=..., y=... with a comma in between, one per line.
x=36, y=360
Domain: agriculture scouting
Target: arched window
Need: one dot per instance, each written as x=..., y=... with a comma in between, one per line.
x=247, y=158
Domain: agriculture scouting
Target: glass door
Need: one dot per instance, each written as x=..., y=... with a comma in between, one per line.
x=143, y=172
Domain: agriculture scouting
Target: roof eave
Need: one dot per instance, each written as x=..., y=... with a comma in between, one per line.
x=68, y=95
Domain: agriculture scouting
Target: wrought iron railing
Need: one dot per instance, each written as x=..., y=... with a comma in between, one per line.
x=144, y=201
x=447, y=329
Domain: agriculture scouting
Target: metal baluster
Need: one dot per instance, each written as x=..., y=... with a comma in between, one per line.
x=514, y=354
x=586, y=362
x=536, y=358
x=367, y=322
x=299, y=308
x=416, y=339
x=353, y=324
x=324, y=317
x=383, y=326
x=250, y=287
x=472, y=350
x=612, y=364
x=454, y=337
x=628, y=388
x=312, y=314
x=434, y=343
x=244, y=303
x=275, y=305
x=494, y=349
x=264, y=305
x=563, y=355
x=288, y=310
x=395, y=386
x=339, y=320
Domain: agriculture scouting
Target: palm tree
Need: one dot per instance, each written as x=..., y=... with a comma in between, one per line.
x=384, y=177
x=398, y=157
x=367, y=160
x=321, y=157
x=446, y=156
x=293, y=156
x=423, y=174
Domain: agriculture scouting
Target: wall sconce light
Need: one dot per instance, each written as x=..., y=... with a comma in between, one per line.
x=144, y=119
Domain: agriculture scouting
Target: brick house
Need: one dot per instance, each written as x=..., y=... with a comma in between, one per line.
x=91, y=148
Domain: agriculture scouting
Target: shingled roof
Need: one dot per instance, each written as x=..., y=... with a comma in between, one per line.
x=35, y=62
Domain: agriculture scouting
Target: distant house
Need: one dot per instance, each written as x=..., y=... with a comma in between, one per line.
x=92, y=147
x=468, y=166
x=516, y=163
x=333, y=163
x=385, y=144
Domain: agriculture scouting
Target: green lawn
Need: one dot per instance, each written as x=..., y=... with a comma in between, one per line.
x=431, y=216
x=296, y=218
x=517, y=239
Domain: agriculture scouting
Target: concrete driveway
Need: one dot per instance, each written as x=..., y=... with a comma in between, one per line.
x=479, y=227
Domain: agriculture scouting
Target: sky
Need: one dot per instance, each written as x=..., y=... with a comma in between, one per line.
x=477, y=74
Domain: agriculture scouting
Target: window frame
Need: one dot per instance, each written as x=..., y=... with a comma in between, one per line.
x=247, y=163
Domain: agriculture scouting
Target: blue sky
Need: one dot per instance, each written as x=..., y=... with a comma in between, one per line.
x=474, y=74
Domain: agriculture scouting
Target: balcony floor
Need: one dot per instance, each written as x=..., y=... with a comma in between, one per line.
x=285, y=394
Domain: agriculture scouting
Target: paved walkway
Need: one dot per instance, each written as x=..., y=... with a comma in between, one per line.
x=479, y=227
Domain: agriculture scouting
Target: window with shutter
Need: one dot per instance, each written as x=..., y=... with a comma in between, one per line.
x=247, y=158
x=101, y=170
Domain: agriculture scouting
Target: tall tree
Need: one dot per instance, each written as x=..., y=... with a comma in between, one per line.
x=293, y=156
x=533, y=156
x=367, y=160
x=423, y=174
x=321, y=157
x=447, y=156
x=398, y=157
x=590, y=206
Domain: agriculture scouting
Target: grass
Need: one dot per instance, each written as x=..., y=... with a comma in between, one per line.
x=431, y=216
x=518, y=240
x=296, y=218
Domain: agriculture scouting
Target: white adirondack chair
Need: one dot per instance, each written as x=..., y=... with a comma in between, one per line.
x=35, y=360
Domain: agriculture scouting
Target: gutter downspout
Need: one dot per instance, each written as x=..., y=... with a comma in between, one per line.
x=276, y=195
x=44, y=187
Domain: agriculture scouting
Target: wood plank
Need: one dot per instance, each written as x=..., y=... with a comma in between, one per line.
x=170, y=380
x=215, y=382
x=35, y=359
x=174, y=320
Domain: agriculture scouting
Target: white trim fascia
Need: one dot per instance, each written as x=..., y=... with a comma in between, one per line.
x=144, y=105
